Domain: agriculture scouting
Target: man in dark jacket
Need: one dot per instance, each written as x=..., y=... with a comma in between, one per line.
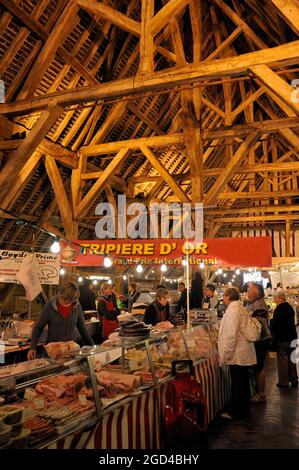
x=63, y=315
x=257, y=308
x=283, y=333
x=157, y=311
x=87, y=297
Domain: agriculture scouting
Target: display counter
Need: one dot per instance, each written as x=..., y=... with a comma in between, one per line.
x=109, y=397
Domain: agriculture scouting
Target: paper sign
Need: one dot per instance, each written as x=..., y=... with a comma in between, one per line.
x=82, y=400
x=47, y=266
x=39, y=403
x=27, y=276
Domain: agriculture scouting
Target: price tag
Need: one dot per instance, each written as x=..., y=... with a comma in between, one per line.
x=82, y=400
x=191, y=343
x=29, y=393
x=39, y=403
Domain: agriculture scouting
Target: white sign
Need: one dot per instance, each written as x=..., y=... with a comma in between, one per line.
x=28, y=276
x=47, y=266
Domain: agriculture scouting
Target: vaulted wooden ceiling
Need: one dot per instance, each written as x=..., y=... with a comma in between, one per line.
x=189, y=100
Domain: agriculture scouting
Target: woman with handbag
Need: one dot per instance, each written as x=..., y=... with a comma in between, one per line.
x=236, y=349
x=107, y=310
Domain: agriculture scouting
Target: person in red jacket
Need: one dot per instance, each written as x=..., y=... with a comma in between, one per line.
x=107, y=310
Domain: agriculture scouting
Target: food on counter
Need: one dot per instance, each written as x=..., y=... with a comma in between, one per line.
x=164, y=325
x=8, y=393
x=124, y=383
x=146, y=377
x=13, y=414
x=60, y=348
x=134, y=328
x=124, y=317
x=56, y=387
x=40, y=429
x=22, y=367
x=138, y=355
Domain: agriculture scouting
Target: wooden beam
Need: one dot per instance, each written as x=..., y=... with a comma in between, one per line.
x=62, y=28
x=112, y=15
x=259, y=194
x=10, y=173
x=96, y=189
x=256, y=218
x=231, y=167
x=253, y=209
x=134, y=144
x=239, y=22
x=77, y=183
x=167, y=177
x=289, y=11
x=286, y=54
x=276, y=84
x=171, y=9
x=146, y=61
x=60, y=194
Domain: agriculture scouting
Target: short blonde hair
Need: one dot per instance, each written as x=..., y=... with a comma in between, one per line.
x=105, y=286
x=281, y=295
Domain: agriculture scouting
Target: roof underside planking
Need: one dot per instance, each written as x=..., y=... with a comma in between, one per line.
x=179, y=100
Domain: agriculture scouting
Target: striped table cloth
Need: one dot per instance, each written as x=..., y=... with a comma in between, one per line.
x=136, y=424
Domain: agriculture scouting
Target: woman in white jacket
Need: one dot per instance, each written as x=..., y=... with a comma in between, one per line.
x=237, y=351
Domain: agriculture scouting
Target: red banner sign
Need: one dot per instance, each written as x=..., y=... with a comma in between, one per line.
x=240, y=252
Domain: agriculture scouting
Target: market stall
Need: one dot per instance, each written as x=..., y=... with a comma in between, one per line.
x=113, y=398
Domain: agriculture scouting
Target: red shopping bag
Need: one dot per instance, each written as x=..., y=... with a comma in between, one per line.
x=184, y=415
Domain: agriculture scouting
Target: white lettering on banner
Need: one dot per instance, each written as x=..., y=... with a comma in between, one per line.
x=47, y=266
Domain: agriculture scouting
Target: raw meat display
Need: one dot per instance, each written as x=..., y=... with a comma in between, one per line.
x=164, y=325
x=60, y=348
x=56, y=387
x=122, y=382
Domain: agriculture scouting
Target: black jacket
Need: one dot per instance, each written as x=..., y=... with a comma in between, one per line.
x=182, y=303
x=283, y=324
x=155, y=313
x=87, y=298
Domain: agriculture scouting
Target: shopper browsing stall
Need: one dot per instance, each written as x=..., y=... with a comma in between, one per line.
x=257, y=308
x=237, y=352
x=63, y=315
x=283, y=333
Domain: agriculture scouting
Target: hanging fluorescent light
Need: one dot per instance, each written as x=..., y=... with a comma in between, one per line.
x=139, y=268
x=62, y=271
x=107, y=262
x=80, y=279
x=163, y=268
x=55, y=247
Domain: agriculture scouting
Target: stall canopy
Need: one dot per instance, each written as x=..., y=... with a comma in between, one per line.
x=240, y=252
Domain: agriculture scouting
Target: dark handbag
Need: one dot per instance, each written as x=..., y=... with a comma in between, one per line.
x=185, y=412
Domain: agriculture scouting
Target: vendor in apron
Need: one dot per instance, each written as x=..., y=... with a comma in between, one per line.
x=107, y=310
x=157, y=311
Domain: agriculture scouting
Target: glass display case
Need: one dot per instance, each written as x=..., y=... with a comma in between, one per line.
x=42, y=401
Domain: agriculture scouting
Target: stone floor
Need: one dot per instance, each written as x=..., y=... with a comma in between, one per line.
x=271, y=425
